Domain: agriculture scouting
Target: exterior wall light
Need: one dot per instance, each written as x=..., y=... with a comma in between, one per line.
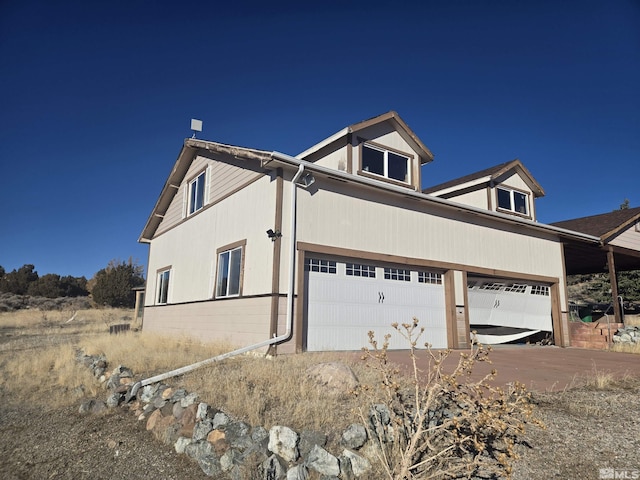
x=273, y=235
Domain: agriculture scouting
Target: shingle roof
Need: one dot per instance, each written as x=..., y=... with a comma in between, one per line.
x=487, y=172
x=491, y=172
x=604, y=224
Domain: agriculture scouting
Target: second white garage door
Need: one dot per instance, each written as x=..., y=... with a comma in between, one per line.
x=347, y=299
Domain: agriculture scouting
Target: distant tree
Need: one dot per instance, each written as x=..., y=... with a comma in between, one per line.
x=624, y=205
x=18, y=281
x=629, y=285
x=73, y=286
x=46, y=286
x=113, y=285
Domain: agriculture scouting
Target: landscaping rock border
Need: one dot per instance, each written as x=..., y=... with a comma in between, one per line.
x=628, y=335
x=221, y=444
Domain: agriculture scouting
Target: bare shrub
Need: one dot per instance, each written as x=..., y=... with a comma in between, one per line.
x=441, y=424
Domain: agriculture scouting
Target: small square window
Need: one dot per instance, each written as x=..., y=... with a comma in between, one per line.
x=358, y=270
x=399, y=274
x=430, y=277
x=320, y=265
x=516, y=288
x=540, y=290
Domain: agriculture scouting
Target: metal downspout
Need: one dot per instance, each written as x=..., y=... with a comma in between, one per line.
x=285, y=336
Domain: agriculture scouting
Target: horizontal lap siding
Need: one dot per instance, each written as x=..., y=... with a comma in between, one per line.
x=378, y=223
x=225, y=179
x=240, y=322
x=629, y=239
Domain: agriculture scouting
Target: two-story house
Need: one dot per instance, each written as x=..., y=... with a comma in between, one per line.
x=311, y=252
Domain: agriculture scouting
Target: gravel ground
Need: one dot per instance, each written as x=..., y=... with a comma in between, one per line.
x=586, y=430
x=37, y=443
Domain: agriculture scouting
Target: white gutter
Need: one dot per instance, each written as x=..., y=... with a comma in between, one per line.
x=288, y=159
x=271, y=341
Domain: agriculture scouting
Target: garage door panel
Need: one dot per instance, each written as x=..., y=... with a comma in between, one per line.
x=498, y=306
x=342, y=309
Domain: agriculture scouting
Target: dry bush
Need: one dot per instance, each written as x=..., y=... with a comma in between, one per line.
x=442, y=425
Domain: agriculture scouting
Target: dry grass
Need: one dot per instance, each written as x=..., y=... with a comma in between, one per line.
x=259, y=390
x=38, y=351
x=626, y=348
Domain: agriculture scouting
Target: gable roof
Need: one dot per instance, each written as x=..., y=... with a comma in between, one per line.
x=604, y=225
x=188, y=152
x=490, y=174
x=192, y=147
x=391, y=117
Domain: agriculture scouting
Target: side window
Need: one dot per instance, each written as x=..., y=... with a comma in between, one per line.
x=513, y=201
x=385, y=163
x=196, y=194
x=162, y=286
x=229, y=273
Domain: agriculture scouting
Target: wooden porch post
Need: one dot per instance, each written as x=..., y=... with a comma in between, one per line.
x=613, y=279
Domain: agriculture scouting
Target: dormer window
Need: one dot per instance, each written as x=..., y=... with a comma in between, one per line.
x=513, y=201
x=385, y=163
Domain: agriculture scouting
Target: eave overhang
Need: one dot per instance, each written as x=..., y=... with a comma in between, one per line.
x=276, y=159
x=392, y=117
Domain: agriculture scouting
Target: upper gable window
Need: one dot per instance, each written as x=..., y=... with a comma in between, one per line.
x=196, y=194
x=513, y=201
x=385, y=163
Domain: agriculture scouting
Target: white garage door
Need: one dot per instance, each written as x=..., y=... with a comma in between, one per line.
x=346, y=300
x=520, y=306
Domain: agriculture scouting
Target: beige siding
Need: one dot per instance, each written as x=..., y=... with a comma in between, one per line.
x=630, y=239
x=385, y=138
x=225, y=178
x=515, y=181
x=239, y=322
x=477, y=198
x=191, y=249
x=336, y=160
x=379, y=223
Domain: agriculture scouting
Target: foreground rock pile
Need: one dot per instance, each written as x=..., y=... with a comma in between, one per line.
x=627, y=335
x=223, y=445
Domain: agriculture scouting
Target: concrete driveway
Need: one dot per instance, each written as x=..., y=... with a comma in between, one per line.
x=541, y=368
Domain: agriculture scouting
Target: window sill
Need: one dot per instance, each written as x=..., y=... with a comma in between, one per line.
x=511, y=212
x=397, y=183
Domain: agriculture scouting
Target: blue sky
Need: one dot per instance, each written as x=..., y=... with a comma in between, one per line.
x=96, y=100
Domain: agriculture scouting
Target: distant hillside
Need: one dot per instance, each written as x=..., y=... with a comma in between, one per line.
x=596, y=288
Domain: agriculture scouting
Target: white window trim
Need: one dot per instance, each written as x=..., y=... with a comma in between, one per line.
x=191, y=210
x=229, y=266
x=512, y=202
x=160, y=285
x=386, y=163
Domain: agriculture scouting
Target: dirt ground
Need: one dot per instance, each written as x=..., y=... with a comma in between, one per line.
x=587, y=429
